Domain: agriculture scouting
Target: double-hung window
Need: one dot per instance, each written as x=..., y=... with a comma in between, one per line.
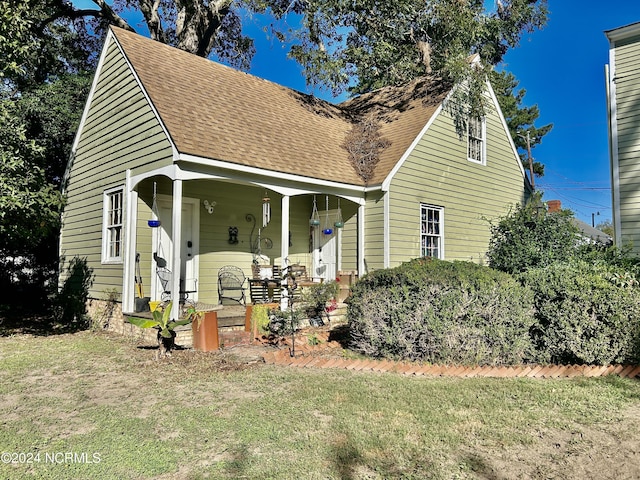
x=477, y=140
x=432, y=229
x=112, y=227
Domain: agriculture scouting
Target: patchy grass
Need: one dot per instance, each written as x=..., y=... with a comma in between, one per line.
x=199, y=415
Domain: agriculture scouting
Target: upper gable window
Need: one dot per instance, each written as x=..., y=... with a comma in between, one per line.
x=477, y=140
x=112, y=225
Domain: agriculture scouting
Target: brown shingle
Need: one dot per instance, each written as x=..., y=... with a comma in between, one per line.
x=216, y=112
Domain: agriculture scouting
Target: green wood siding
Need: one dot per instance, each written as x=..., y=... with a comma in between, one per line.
x=119, y=133
x=373, y=231
x=627, y=81
x=438, y=173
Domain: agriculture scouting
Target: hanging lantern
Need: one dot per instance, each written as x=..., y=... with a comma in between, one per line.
x=154, y=222
x=314, y=221
x=327, y=230
x=339, y=223
x=266, y=210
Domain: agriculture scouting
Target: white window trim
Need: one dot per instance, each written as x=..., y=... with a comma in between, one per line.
x=440, y=235
x=106, y=258
x=483, y=139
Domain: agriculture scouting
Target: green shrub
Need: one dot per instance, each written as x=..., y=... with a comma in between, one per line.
x=440, y=311
x=585, y=313
x=531, y=237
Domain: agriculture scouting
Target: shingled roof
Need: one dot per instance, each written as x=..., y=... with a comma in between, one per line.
x=216, y=112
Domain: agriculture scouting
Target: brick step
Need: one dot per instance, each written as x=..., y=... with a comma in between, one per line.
x=230, y=338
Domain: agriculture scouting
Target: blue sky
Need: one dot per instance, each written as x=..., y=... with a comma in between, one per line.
x=562, y=69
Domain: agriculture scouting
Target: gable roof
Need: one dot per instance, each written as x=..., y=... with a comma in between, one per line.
x=216, y=112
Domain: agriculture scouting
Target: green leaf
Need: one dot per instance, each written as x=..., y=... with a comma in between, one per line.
x=177, y=323
x=143, y=322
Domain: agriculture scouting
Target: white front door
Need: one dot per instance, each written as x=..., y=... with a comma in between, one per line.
x=162, y=245
x=325, y=248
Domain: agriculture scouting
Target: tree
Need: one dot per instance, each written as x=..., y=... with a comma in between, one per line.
x=368, y=44
x=41, y=98
x=606, y=227
x=201, y=27
x=532, y=237
x=520, y=120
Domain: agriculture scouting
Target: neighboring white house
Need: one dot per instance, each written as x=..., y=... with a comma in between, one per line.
x=623, y=99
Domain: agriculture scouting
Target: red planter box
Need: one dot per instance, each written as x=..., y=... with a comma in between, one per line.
x=205, y=332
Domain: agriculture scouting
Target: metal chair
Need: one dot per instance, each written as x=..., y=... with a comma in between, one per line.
x=165, y=276
x=231, y=280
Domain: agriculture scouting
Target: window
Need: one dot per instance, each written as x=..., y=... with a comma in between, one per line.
x=431, y=227
x=112, y=226
x=476, y=136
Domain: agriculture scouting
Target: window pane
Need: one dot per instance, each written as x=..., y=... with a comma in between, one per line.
x=112, y=240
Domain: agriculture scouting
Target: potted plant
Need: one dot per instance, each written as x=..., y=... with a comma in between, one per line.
x=166, y=327
x=315, y=299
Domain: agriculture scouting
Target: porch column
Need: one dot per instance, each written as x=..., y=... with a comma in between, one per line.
x=128, y=304
x=176, y=230
x=284, y=246
x=361, y=257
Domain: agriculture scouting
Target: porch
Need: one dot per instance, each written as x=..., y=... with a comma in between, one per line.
x=218, y=223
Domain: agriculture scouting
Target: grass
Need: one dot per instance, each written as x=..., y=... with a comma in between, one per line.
x=200, y=416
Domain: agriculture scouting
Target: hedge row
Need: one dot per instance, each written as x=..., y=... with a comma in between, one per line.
x=461, y=312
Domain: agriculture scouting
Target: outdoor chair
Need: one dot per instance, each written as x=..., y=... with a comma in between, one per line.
x=165, y=276
x=231, y=280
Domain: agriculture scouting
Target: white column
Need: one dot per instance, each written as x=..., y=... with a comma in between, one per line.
x=361, y=264
x=284, y=245
x=176, y=230
x=128, y=274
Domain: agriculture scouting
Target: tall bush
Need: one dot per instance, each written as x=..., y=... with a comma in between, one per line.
x=585, y=313
x=531, y=237
x=440, y=311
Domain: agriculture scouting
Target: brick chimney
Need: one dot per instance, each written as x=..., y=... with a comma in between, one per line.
x=554, y=206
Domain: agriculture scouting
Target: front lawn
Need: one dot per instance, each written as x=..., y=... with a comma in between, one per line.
x=89, y=405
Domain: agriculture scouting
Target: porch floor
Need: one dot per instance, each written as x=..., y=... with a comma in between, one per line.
x=228, y=315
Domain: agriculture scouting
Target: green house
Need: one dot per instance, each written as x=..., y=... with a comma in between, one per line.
x=234, y=168
x=623, y=99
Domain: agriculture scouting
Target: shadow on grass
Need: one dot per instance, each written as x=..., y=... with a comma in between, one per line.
x=21, y=321
x=346, y=458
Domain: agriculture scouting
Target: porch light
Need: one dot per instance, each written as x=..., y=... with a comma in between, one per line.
x=314, y=221
x=154, y=222
x=266, y=210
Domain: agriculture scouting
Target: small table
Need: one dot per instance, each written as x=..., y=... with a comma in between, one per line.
x=262, y=290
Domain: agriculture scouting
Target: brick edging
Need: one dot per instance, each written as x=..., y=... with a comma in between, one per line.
x=307, y=356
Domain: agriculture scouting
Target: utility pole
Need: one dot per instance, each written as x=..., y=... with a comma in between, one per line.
x=533, y=182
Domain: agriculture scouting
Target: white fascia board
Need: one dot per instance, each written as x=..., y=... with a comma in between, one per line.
x=387, y=181
x=623, y=33
x=307, y=185
x=505, y=127
x=174, y=150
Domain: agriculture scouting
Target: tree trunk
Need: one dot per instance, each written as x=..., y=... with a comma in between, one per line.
x=197, y=24
x=149, y=9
